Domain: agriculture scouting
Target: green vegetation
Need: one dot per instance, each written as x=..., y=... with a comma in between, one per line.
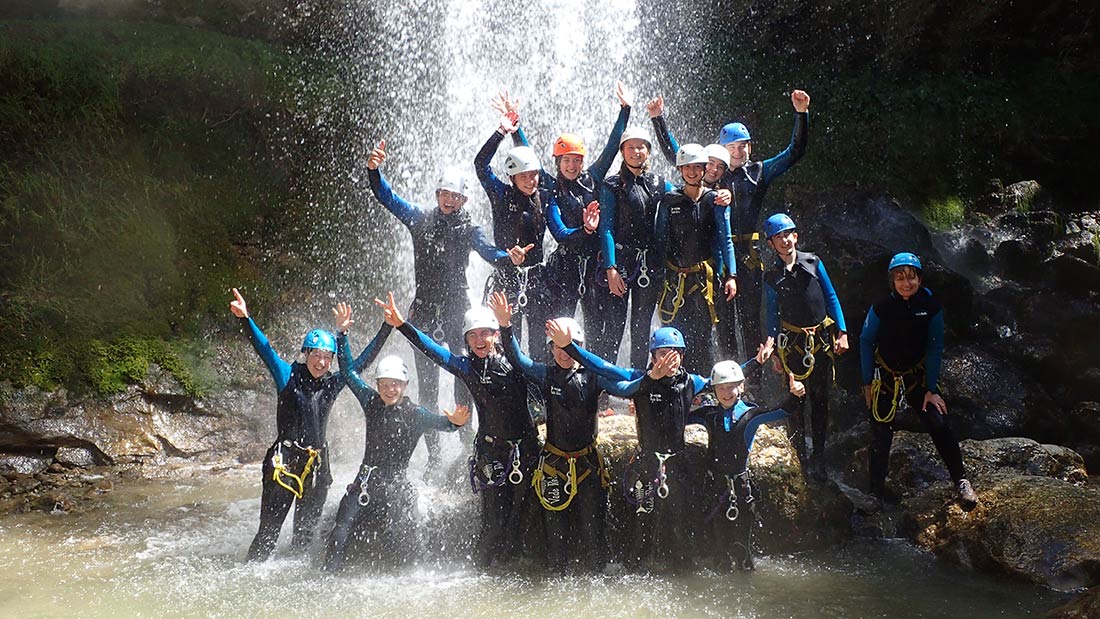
x=134, y=159
x=944, y=213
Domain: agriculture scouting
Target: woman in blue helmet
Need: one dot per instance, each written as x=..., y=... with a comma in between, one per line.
x=901, y=350
x=296, y=467
x=654, y=482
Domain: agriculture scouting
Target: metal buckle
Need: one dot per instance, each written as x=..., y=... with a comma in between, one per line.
x=643, y=271
x=364, y=497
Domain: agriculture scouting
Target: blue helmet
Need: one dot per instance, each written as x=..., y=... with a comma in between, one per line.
x=733, y=132
x=666, y=337
x=780, y=222
x=321, y=340
x=905, y=259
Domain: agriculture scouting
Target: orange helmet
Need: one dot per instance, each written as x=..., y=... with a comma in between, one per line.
x=569, y=144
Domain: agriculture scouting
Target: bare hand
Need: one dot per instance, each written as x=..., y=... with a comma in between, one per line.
x=662, y=365
x=498, y=302
x=509, y=123
x=518, y=254
x=935, y=400
x=841, y=344
x=626, y=98
x=723, y=198
x=591, y=217
x=341, y=317
x=800, y=100
x=377, y=156
x=796, y=387
x=504, y=103
x=615, y=282
x=391, y=314
x=730, y=288
x=559, y=335
x=460, y=415
x=867, y=395
x=765, y=350
x=237, y=305
x=656, y=106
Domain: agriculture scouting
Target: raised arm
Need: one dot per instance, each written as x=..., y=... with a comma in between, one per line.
x=455, y=364
x=489, y=253
x=279, y=369
x=602, y=164
x=601, y=367
x=363, y=392
x=668, y=144
x=372, y=349
x=404, y=211
x=428, y=421
x=530, y=368
x=799, y=136
x=620, y=388
x=483, y=165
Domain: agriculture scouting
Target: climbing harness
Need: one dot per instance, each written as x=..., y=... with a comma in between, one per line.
x=582, y=270
x=547, y=479
x=281, y=470
x=704, y=286
x=641, y=494
x=364, y=497
x=899, y=383
x=812, y=344
x=643, y=269
x=438, y=334
x=494, y=473
x=751, y=259
x=521, y=298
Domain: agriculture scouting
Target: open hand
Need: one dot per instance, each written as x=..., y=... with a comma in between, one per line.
x=591, y=217
x=626, y=98
x=341, y=317
x=765, y=350
x=559, y=335
x=662, y=365
x=390, y=313
x=498, y=302
x=459, y=416
x=936, y=401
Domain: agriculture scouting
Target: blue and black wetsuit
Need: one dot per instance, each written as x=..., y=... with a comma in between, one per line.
x=655, y=481
x=693, y=244
x=300, y=451
x=441, y=251
x=571, y=480
x=749, y=184
x=505, y=446
x=520, y=220
x=628, y=208
x=803, y=313
x=377, y=510
x=570, y=270
x=730, y=432
x=901, y=351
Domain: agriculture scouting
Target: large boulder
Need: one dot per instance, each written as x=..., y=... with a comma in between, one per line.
x=1084, y=606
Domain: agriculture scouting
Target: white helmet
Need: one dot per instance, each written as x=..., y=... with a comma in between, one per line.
x=392, y=366
x=635, y=133
x=452, y=180
x=726, y=372
x=576, y=333
x=691, y=153
x=521, y=159
x=719, y=152
x=479, y=317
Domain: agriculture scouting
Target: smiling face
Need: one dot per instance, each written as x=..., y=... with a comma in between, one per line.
x=906, y=281
x=391, y=390
x=692, y=173
x=449, y=201
x=482, y=341
x=739, y=152
x=526, y=182
x=318, y=361
x=784, y=243
x=727, y=393
x=635, y=152
x=571, y=166
x=715, y=169
x=561, y=357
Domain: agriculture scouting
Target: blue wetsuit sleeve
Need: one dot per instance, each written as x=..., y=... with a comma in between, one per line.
x=599, y=366
x=771, y=310
x=752, y=366
x=408, y=213
x=759, y=419
x=519, y=138
x=483, y=166
x=455, y=364
x=558, y=229
x=832, y=302
x=868, y=338
x=599, y=168
x=280, y=370
x=489, y=253
x=668, y=144
x=607, y=224
x=620, y=388
x=725, y=255
x=371, y=351
x=933, y=360
x=771, y=168
x=355, y=382
x=699, y=383
x=427, y=421
x=527, y=365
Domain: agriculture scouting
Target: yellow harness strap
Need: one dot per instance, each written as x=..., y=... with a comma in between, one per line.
x=299, y=480
x=752, y=259
x=705, y=286
x=812, y=346
x=572, y=481
x=899, y=382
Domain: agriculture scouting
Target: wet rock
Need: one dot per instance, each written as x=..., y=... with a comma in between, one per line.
x=75, y=456
x=1021, y=196
x=25, y=464
x=1084, y=606
x=1074, y=275
x=1025, y=456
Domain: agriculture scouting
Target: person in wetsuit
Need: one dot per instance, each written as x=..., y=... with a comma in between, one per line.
x=295, y=467
x=655, y=482
x=806, y=324
x=901, y=351
x=748, y=181
x=693, y=244
x=442, y=239
x=570, y=480
x=378, y=508
x=731, y=426
x=506, y=442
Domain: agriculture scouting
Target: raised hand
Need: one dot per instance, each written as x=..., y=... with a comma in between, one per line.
x=504, y=103
x=796, y=387
x=591, y=217
x=390, y=313
x=377, y=156
x=765, y=350
x=558, y=334
x=662, y=365
x=626, y=98
x=237, y=305
x=518, y=254
x=341, y=317
x=656, y=106
x=800, y=100
x=459, y=416
x=498, y=302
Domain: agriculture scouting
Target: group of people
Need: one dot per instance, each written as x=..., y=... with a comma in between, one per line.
x=633, y=248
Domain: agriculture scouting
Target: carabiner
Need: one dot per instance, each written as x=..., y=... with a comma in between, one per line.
x=808, y=360
x=516, y=476
x=364, y=497
x=438, y=333
x=732, y=512
x=582, y=270
x=643, y=271
x=782, y=340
